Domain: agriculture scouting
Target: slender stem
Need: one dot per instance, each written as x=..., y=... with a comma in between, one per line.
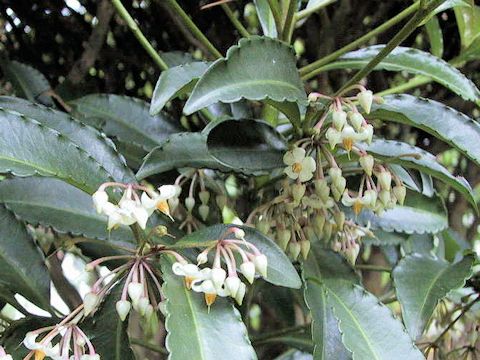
x=233, y=19
x=307, y=71
x=138, y=34
x=369, y=267
x=281, y=332
x=277, y=15
x=289, y=21
x=307, y=12
x=149, y=346
x=193, y=28
x=409, y=27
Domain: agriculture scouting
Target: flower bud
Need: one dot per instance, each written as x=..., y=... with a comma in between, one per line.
x=294, y=249
x=203, y=210
x=189, y=203
x=305, y=248
x=356, y=119
x=367, y=162
x=385, y=180
x=263, y=226
x=339, y=219
x=322, y=189
x=327, y=231
x=365, y=98
x=339, y=118
x=90, y=302
x=218, y=276
x=161, y=230
x=202, y=258
x=309, y=232
x=240, y=293
x=370, y=198
x=173, y=203
x=135, y=291
x=232, y=283
x=298, y=190
x=333, y=136
x=261, y=264
x=335, y=173
x=384, y=197
x=148, y=312
x=239, y=233
x=204, y=196
x=400, y=193
x=318, y=224
x=248, y=270
x=162, y=307
x=283, y=238
x=100, y=198
x=123, y=308
x=351, y=253
x=141, y=305
x=221, y=201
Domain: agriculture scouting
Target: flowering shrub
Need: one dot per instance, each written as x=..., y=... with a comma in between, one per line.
x=249, y=225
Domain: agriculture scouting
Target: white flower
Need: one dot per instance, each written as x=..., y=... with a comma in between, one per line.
x=339, y=119
x=133, y=209
x=261, y=263
x=218, y=276
x=123, y=308
x=299, y=166
x=209, y=289
x=135, y=291
x=333, y=136
x=248, y=270
x=367, y=162
x=40, y=348
x=368, y=199
x=240, y=293
x=117, y=216
x=365, y=98
x=90, y=302
x=191, y=272
x=232, y=283
x=100, y=198
x=356, y=119
x=158, y=201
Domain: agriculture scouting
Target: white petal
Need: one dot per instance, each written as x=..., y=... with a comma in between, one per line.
x=298, y=154
x=177, y=268
x=147, y=202
x=347, y=200
x=288, y=158
x=305, y=175
x=167, y=191
x=141, y=215
x=290, y=173
x=309, y=164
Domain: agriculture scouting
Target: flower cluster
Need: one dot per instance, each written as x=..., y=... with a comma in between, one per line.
x=70, y=340
x=314, y=199
x=216, y=281
x=133, y=208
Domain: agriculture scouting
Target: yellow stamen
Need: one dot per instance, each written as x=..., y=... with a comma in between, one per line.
x=357, y=207
x=39, y=355
x=348, y=143
x=210, y=298
x=188, y=282
x=297, y=168
x=162, y=206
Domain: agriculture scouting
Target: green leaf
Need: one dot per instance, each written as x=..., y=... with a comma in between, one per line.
x=422, y=281
x=300, y=341
x=22, y=265
x=27, y=81
x=280, y=270
x=441, y=121
x=248, y=146
x=435, y=36
x=52, y=202
x=368, y=328
x=87, y=138
x=325, y=332
x=197, y=333
x=107, y=332
x=34, y=149
x=384, y=238
x=179, y=150
x=174, y=82
x=419, y=215
x=125, y=118
x=468, y=21
x=238, y=76
x=413, y=61
x=409, y=156
x=265, y=16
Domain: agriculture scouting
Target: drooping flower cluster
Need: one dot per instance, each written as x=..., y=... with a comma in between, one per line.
x=61, y=341
x=313, y=201
x=216, y=281
x=133, y=208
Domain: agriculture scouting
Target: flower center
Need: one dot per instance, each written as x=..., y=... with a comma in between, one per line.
x=297, y=167
x=163, y=207
x=357, y=207
x=188, y=282
x=348, y=143
x=210, y=298
x=39, y=355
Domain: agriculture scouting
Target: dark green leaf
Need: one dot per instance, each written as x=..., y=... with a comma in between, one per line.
x=22, y=266
x=468, y=21
x=384, y=238
x=301, y=341
x=32, y=148
x=280, y=269
x=433, y=117
x=413, y=61
x=87, y=138
x=248, y=146
x=27, y=81
x=435, y=36
x=107, y=332
x=421, y=281
x=196, y=333
x=239, y=76
x=125, y=118
x=266, y=18
x=409, y=156
x=369, y=329
x=174, y=82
